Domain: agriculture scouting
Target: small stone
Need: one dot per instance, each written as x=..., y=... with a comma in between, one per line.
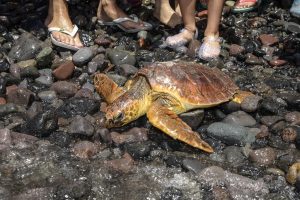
x=64, y=89
x=293, y=118
x=264, y=132
x=85, y=149
x=44, y=58
x=289, y=134
x=19, y=96
x=82, y=56
x=252, y=60
x=47, y=96
x=251, y=103
x=27, y=63
x=193, y=165
x=193, y=47
x=193, y=118
x=84, y=93
x=103, y=41
x=80, y=125
x=277, y=62
x=234, y=155
x=64, y=71
x=5, y=137
x=127, y=70
x=268, y=39
x=293, y=173
x=124, y=164
x=133, y=135
x=44, y=80
x=264, y=156
x=119, y=57
x=240, y=118
x=270, y=120
x=2, y=101
x=235, y=50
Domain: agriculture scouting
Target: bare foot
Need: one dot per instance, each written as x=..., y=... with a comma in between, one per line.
x=108, y=10
x=165, y=13
x=58, y=17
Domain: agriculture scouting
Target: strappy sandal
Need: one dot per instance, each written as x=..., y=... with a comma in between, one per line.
x=176, y=41
x=255, y=4
x=210, y=48
x=62, y=44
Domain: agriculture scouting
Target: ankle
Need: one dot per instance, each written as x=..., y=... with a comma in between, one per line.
x=211, y=34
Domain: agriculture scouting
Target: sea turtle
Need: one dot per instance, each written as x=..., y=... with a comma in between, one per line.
x=163, y=90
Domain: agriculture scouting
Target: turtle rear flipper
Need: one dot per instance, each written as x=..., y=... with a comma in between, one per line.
x=107, y=88
x=165, y=119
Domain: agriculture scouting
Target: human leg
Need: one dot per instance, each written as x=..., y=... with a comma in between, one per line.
x=187, y=8
x=165, y=13
x=210, y=47
x=58, y=16
x=108, y=11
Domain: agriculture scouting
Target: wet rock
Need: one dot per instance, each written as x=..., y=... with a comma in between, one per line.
x=78, y=106
x=42, y=124
x=60, y=139
x=267, y=39
x=193, y=165
x=85, y=149
x=64, y=71
x=270, y=120
x=139, y=150
x=119, y=57
x=120, y=80
x=127, y=70
x=270, y=106
x=193, y=118
x=82, y=56
x=2, y=86
x=64, y=89
x=277, y=62
x=230, y=134
x=293, y=118
x=20, y=96
x=5, y=137
x=84, y=93
x=47, y=96
x=252, y=60
x=27, y=63
x=251, y=103
x=26, y=47
x=264, y=156
x=44, y=80
x=289, y=134
x=238, y=186
x=235, y=49
x=251, y=171
x=240, y=118
x=103, y=41
x=193, y=47
x=4, y=65
x=124, y=164
x=97, y=63
x=234, y=155
x=2, y=101
x=82, y=126
x=29, y=72
x=34, y=109
x=133, y=135
x=36, y=193
x=293, y=173
x=44, y=58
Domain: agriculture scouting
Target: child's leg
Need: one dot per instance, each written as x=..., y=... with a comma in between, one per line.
x=187, y=8
x=165, y=13
x=210, y=47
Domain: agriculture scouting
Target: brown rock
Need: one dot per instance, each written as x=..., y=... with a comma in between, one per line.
x=293, y=118
x=193, y=47
x=64, y=70
x=289, y=134
x=277, y=62
x=235, y=49
x=20, y=96
x=2, y=101
x=263, y=156
x=102, y=41
x=293, y=173
x=133, y=135
x=84, y=92
x=65, y=89
x=268, y=39
x=270, y=120
x=85, y=149
x=124, y=164
x=264, y=132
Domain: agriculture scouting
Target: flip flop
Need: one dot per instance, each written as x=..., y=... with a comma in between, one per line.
x=175, y=41
x=295, y=9
x=133, y=18
x=246, y=9
x=62, y=44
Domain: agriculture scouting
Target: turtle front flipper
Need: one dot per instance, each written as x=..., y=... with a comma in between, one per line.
x=165, y=119
x=107, y=88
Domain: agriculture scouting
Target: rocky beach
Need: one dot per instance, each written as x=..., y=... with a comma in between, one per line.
x=53, y=144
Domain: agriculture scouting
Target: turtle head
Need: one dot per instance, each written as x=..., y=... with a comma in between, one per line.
x=122, y=111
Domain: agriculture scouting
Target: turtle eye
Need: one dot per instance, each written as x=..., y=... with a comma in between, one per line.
x=119, y=117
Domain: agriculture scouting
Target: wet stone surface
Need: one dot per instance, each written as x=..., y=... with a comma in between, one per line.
x=53, y=139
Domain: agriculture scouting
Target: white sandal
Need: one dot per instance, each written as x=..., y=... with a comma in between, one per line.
x=210, y=48
x=177, y=41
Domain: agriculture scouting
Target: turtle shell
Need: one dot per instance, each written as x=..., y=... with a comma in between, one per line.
x=194, y=85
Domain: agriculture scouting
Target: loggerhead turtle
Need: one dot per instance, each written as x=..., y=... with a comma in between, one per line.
x=163, y=90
